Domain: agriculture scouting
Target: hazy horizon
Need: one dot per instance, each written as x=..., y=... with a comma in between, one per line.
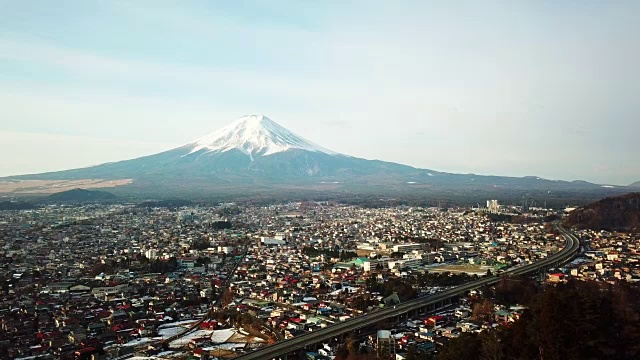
x=496, y=88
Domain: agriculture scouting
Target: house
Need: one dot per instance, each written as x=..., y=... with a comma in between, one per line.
x=556, y=278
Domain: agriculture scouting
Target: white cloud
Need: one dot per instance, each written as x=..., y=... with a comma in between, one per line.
x=515, y=89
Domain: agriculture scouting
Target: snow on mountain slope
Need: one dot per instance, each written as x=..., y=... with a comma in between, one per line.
x=255, y=135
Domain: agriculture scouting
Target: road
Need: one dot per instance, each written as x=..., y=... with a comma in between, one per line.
x=284, y=347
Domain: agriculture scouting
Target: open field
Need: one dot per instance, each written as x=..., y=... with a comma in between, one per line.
x=52, y=186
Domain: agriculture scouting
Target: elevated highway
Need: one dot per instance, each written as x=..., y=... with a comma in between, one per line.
x=281, y=349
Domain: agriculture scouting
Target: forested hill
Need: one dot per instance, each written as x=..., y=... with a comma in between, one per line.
x=577, y=320
x=16, y=205
x=80, y=195
x=620, y=213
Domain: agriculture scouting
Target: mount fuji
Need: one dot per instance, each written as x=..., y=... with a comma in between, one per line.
x=253, y=147
x=255, y=135
x=255, y=154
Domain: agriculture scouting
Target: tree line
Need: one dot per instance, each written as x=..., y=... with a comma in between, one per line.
x=577, y=320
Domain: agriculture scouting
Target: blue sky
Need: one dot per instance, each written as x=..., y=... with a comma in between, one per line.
x=546, y=88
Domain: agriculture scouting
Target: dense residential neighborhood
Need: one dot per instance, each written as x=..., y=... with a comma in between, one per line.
x=609, y=256
x=103, y=281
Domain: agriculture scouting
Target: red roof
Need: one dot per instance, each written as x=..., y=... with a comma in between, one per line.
x=208, y=324
x=434, y=319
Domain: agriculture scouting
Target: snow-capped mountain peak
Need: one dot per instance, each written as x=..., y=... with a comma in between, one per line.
x=255, y=135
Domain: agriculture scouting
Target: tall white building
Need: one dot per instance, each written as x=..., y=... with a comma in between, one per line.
x=385, y=345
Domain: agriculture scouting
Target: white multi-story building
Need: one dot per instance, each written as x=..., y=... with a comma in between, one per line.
x=272, y=242
x=385, y=345
x=186, y=263
x=151, y=254
x=225, y=249
x=398, y=264
x=372, y=264
x=109, y=291
x=406, y=248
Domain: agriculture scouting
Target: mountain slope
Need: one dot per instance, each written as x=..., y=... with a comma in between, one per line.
x=253, y=146
x=621, y=213
x=256, y=154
